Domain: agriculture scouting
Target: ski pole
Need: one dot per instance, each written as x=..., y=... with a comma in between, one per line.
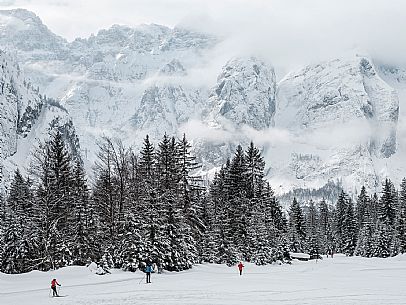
x=141, y=280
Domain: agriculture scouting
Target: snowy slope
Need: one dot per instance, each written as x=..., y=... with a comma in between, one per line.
x=341, y=280
x=344, y=119
x=20, y=105
x=25, y=117
x=20, y=108
x=335, y=120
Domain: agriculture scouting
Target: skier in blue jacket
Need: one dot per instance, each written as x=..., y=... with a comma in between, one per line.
x=148, y=271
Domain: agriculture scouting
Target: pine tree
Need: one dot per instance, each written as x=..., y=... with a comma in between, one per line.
x=349, y=234
x=386, y=209
x=83, y=243
x=254, y=172
x=339, y=219
x=312, y=232
x=275, y=215
x=20, y=250
x=386, y=212
x=362, y=203
x=147, y=162
x=207, y=249
x=224, y=238
x=190, y=192
x=238, y=203
x=297, y=227
x=52, y=170
x=324, y=226
x=383, y=238
x=259, y=232
x=400, y=224
x=365, y=243
x=59, y=182
x=131, y=245
x=374, y=203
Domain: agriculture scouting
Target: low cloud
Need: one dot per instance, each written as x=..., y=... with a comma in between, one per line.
x=287, y=33
x=195, y=129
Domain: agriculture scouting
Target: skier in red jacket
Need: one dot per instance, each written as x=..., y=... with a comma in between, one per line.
x=53, y=287
x=240, y=266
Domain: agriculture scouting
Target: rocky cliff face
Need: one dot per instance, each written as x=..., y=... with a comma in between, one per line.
x=20, y=105
x=164, y=108
x=244, y=94
x=25, y=117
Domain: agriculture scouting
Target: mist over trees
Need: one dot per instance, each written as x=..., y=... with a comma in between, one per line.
x=152, y=205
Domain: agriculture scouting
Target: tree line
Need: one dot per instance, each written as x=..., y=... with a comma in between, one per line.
x=372, y=226
x=151, y=205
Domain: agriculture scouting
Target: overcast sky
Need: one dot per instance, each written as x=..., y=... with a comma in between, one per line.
x=286, y=31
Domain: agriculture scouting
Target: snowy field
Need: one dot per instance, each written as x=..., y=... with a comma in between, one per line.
x=340, y=280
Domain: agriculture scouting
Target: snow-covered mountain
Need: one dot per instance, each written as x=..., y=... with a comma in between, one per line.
x=337, y=120
x=25, y=118
x=345, y=114
x=20, y=105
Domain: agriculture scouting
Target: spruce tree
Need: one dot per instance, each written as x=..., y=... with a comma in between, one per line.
x=361, y=206
x=296, y=227
x=312, y=231
x=365, y=242
x=386, y=209
x=324, y=225
x=400, y=224
x=349, y=232
x=254, y=172
x=20, y=241
x=83, y=239
x=383, y=239
x=339, y=219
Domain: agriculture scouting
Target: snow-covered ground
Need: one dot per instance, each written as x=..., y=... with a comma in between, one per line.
x=340, y=280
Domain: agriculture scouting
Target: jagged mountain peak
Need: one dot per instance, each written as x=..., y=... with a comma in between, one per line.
x=22, y=14
x=24, y=30
x=244, y=93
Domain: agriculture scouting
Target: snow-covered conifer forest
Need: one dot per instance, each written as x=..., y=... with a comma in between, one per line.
x=151, y=205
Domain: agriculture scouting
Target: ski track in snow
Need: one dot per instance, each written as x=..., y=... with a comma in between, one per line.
x=340, y=280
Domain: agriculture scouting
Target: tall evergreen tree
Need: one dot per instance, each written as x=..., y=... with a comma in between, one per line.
x=361, y=206
x=20, y=252
x=296, y=227
x=82, y=224
x=339, y=219
x=386, y=209
x=324, y=225
x=349, y=232
x=400, y=224
x=312, y=231
x=365, y=243
x=254, y=172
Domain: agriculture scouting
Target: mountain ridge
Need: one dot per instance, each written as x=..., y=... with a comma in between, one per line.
x=117, y=83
